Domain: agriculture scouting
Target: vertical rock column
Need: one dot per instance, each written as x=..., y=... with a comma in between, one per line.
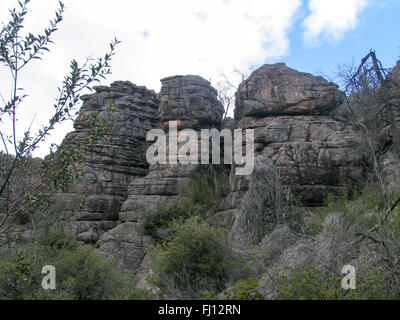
x=313, y=153
x=192, y=102
x=115, y=159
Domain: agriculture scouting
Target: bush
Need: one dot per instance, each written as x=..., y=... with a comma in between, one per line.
x=194, y=261
x=81, y=273
x=363, y=208
x=308, y=282
x=164, y=217
x=243, y=290
x=207, y=186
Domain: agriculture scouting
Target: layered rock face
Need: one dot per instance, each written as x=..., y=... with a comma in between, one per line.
x=278, y=90
x=313, y=153
x=115, y=159
x=192, y=102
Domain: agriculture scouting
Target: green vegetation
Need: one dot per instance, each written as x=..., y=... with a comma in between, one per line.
x=196, y=259
x=164, y=217
x=243, y=290
x=363, y=208
x=81, y=273
x=312, y=283
x=207, y=187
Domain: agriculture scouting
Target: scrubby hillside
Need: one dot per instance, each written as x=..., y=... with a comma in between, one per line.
x=318, y=199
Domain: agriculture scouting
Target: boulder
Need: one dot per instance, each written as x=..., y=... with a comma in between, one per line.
x=126, y=245
x=278, y=90
x=314, y=153
x=191, y=101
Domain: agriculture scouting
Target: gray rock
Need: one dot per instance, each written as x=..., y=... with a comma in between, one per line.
x=315, y=155
x=116, y=159
x=125, y=245
x=278, y=90
x=191, y=100
x=193, y=103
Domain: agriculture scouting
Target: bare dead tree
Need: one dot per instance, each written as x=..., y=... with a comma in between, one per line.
x=369, y=100
x=226, y=94
x=370, y=80
x=226, y=89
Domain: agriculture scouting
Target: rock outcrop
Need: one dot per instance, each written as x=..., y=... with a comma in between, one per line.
x=314, y=154
x=278, y=90
x=192, y=103
x=115, y=159
x=181, y=99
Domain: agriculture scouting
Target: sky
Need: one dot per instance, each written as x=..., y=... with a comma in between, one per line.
x=211, y=38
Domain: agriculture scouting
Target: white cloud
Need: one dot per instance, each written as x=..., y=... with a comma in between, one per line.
x=159, y=38
x=331, y=19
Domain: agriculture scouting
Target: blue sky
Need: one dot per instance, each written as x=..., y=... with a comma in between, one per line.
x=210, y=38
x=378, y=28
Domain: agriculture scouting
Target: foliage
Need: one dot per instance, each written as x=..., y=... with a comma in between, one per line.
x=196, y=259
x=207, y=186
x=81, y=273
x=363, y=208
x=308, y=282
x=17, y=50
x=164, y=217
x=243, y=290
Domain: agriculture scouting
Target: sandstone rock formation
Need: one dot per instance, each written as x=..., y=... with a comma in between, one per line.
x=116, y=159
x=181, y=100
x=192, y=102
x=314, y=153
x=278, y=90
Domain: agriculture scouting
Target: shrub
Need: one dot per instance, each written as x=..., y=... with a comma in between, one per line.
x=164, y=217
x=243, y=290
x=207, y=186
x=363, y=208
x=195, y=260
x=81, y=273
x=308, y=282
